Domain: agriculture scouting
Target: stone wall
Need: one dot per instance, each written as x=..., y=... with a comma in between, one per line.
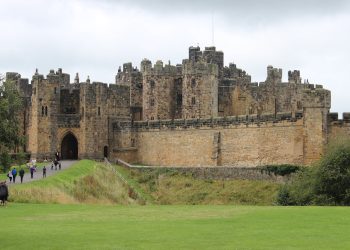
x=235, y=142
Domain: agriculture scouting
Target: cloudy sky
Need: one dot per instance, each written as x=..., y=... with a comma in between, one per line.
x=95, y=37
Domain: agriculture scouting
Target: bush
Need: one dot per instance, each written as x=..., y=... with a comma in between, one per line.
x=283, y=169
x=299, y=190
x=327, y=183
x=333, y=176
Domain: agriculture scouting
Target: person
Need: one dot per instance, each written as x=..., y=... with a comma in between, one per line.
x=52, y=166
x=21, y=174
x=44, y=172
x=57, y=156
x=32, y=169
x=9, y=175
x=14, y=174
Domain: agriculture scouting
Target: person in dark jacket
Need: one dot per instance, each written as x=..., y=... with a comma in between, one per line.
x=14, y=174
x=44, y=172
x=21, y=174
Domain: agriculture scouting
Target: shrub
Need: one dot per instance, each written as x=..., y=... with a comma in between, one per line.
x=333, y=176
x=283, y=169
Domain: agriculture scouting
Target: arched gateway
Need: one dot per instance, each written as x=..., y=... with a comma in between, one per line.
x=69, y=147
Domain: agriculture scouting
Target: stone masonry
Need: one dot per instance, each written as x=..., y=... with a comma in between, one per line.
x=199, y=113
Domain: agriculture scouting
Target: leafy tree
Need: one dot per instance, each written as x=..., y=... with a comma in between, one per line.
x=326, y=183
x=10, y=107
x=332, y=184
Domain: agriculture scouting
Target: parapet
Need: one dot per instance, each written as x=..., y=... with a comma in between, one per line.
x=232, y=121
x=334, y=119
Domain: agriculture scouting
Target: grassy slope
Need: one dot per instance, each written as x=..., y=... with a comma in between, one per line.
x=173, y=227
x=171, y=187
x=86, y=181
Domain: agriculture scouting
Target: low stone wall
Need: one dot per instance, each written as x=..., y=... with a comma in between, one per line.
x=220, y=173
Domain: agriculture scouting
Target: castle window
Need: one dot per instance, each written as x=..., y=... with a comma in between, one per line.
x=45, y=110
x=152, y=118
x=193, y=100
x=99, y=111
x=193, y=83
x=42, y=110
x=152, y=83
x=55, y=90
x=82, y=111
x=152, y=102
x=179, y=99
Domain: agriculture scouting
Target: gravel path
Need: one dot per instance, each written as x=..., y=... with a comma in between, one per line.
x=38, y=175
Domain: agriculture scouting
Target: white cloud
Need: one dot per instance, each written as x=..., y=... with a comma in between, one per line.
x=95, y=37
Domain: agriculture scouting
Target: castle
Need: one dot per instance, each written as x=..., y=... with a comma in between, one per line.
x=198, y=113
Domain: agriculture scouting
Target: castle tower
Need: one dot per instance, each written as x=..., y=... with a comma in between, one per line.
x=200, y=90
x=158, y=90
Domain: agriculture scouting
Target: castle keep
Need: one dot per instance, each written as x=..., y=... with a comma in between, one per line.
x=198, y=113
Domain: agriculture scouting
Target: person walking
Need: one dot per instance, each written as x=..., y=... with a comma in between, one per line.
x=32, y=169
x=44, y=172
x=9, y=175
x=21, y=174
x=14, y=174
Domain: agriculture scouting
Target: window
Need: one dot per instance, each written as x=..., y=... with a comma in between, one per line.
x=152, y=83
x=42, y=110
x=82, y=111
x=99, y=111
x=152, y=118
x=193, y=83
x=55, y=90
x=179, y=99
x=193, y=100
x=45, y=110
x=152, y=102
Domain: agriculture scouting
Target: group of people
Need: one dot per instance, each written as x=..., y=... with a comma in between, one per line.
x=12, y=174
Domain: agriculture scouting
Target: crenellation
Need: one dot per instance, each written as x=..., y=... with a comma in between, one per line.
x=197, y=113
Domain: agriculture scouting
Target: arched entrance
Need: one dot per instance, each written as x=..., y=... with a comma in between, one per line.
x=69, y=147
x=105, y=152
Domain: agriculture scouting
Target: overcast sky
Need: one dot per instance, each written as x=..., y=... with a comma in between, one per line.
x=96, y=37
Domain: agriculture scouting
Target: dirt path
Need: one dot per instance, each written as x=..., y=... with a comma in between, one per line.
x=38, y=175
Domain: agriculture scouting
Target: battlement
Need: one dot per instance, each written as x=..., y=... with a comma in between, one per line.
x=159, y=68
x=334, y=119
x=232, y=121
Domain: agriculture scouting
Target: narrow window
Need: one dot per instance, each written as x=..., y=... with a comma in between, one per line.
x=152, y=118
x=55, y=90
x=193, y=100
x=152, y=84
x=99, y=111
x=82, y=111
x=45, y=110
x=42, y=110
x=152, y=102
x=179, y=100
x=193, y=83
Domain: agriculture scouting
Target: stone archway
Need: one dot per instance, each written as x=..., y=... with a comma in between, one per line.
x=69, y=147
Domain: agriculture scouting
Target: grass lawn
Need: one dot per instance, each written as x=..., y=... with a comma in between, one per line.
x=55, y=226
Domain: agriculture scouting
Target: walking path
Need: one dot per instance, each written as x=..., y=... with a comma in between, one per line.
x=38, y=175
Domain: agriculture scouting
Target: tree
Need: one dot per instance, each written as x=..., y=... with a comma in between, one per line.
x=10, y=107
x=332, y=185
x=326, y=183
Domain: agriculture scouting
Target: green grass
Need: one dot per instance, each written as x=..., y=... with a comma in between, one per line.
x=47, y=226
x=85, y=182
x=171, y=187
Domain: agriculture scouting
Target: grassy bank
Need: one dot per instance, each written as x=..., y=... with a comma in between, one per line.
x=173, y=227
x=172, y=187
x=84, y=182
